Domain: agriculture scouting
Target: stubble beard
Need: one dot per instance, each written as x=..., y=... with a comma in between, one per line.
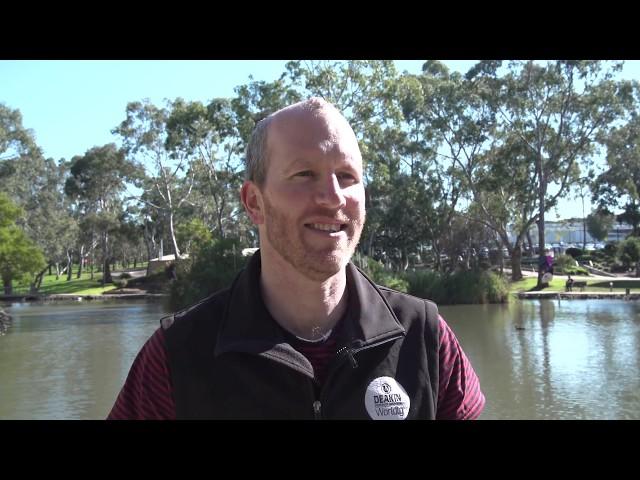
x=317, y=264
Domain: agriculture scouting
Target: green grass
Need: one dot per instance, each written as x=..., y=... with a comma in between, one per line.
x=593, y=285
x=81, y=286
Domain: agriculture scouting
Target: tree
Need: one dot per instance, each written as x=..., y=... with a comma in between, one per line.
x=36, y=185
x=208, y=137
x=556, y=111
x=599, y=223
x=15, y=140
x=20, y=258
x=146, y=140
x=619, y=185
x=449, y=126
x=629, y=253
x=97, y=181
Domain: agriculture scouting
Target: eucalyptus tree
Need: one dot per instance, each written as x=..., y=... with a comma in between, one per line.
x=619, y=185
x=208, y=137
x=599, y=223
x=144, y=135
x=16, y=141
x=20, y=257
x=97, y=182
x=448, y=126
x=256, y=100
x=556, y=111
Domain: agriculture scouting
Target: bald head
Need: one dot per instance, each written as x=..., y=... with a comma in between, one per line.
x=291, y=123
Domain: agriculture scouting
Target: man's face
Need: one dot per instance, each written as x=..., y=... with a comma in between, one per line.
x=313, y=196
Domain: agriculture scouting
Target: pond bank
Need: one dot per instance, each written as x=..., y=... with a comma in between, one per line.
x=578, y=295
x=77, y=297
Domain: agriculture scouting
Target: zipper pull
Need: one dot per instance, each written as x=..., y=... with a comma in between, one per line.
x=354, y=364
x=316, y=409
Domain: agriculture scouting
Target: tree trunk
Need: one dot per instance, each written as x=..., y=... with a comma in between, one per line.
x=38, y=280
x=516, y=263
x=530, y=241
x=69, y=266
x=80, y=262
x=500, y=256
x=106, y=273
x=541, y=198
x=8, y=285
x=176, y=250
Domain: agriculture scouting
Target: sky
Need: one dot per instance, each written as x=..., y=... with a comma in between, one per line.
x=71, y=106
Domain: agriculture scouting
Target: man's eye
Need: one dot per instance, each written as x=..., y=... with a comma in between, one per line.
x=348, y=177
x=304, y=173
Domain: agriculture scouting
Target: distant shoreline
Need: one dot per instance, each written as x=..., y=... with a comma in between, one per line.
x=577, y=295
x=77, y=297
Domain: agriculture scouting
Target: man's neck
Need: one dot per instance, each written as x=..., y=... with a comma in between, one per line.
x=304, y=307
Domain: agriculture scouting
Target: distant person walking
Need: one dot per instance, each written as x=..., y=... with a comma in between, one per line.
x=569, y=284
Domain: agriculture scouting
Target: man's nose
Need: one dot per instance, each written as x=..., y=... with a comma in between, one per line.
x=329, y=193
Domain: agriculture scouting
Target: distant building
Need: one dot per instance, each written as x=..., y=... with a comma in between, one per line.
x=572, y=231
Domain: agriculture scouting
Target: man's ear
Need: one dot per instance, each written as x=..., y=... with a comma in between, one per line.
x=251, y=197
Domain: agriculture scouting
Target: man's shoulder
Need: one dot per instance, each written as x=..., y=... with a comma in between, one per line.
x=209, y=307
x=401, y=298
x=407, y=306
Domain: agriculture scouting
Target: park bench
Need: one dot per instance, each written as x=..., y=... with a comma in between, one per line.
x=579, y=284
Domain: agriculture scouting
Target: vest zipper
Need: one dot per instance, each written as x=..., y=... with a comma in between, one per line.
x=317, y=404
x=351, y=351
x=316, y=410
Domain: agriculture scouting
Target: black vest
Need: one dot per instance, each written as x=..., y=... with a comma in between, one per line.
x=229, y=359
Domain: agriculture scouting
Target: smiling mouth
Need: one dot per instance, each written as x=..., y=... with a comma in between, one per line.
x=327, y=227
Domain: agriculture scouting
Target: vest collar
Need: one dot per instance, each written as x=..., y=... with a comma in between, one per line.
x=248, y=327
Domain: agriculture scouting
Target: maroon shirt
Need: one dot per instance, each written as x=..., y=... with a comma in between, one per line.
x=147, y=392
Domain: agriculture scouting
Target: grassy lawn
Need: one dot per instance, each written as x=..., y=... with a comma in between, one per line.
x=81, y=286
x=593, y=285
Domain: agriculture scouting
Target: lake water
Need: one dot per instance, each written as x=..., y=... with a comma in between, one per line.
x=538, y=359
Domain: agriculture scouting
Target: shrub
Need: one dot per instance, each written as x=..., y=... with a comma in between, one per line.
x=574, y=252
x=212, y=267
x=629, y=251
x=459, y=288
x=426, y=284
x=610, y=249
x=565, y=262
x=380, y=275
x=125, y=275
x=576, y=271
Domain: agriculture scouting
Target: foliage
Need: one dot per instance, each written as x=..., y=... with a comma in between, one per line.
x=193, y=234
x=565, y=262
x=451, y=162
x=462, y=287
x=212, y=267
x=20, y=257
x=574, y=252
x=599, y=223
x=382, y=276
x=629, y=251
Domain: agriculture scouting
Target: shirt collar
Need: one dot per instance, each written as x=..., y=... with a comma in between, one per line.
x=247, y=325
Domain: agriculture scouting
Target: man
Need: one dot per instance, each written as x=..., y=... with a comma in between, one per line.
x=302, y=333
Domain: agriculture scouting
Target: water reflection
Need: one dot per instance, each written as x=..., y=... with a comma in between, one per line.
x=68, y=361
x=553, y=359
x=547, y=359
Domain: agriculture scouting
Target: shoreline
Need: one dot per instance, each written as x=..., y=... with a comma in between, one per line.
x=78, y=297
x=577, y=295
